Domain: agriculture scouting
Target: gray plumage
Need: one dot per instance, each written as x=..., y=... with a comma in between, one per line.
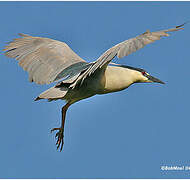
x=42, y=58
x=48, y=60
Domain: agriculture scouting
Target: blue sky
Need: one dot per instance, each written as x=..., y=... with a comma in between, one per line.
x=128, y=134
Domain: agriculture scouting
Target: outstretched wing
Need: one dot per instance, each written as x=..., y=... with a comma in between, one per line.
x=124, y=49
x=46, y=60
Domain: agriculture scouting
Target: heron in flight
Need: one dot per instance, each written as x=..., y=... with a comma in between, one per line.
x=47, y=61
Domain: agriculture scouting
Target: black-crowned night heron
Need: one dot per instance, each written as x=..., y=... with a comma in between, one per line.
x=48, y=60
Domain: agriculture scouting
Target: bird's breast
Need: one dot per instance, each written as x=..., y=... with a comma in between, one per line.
x=92, y=85
x=101, y=82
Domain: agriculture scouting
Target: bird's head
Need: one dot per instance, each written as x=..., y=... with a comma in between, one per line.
x=143, y=76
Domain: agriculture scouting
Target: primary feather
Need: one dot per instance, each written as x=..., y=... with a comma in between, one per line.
x=42, y=58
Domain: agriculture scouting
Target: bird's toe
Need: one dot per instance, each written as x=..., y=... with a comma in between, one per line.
x=59, y=135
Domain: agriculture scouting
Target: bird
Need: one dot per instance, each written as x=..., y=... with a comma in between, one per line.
x=52, y=61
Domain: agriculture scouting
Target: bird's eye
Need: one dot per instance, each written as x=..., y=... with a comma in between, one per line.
x=143, y=73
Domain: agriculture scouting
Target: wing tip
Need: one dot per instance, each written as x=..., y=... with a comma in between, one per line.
x=23, y=35
x=37, y=99
x=179, y=26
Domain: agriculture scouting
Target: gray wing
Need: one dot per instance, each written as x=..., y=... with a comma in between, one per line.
x=124, y=49
x=46, y=60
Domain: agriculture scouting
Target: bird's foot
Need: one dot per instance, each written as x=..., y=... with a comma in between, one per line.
x=59, y=135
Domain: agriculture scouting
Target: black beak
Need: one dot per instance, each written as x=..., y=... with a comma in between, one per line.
x=153, y=79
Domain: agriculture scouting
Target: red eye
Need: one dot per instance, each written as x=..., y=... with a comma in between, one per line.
x=143, y=73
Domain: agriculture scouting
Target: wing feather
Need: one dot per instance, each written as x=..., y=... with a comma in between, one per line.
x=42, y=58
x=124, y=49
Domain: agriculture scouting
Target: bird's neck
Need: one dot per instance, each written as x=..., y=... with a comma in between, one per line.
x=118, y=78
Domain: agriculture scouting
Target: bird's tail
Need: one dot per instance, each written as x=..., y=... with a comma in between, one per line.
x=53, y=93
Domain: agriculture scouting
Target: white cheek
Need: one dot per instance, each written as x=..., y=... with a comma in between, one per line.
x=141, y=78
x=146, y=79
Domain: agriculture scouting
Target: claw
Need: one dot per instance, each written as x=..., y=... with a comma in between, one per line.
x=57, y=142
x=59, y=135
x=61, y=145
x=54, y=129
x=58, y=145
